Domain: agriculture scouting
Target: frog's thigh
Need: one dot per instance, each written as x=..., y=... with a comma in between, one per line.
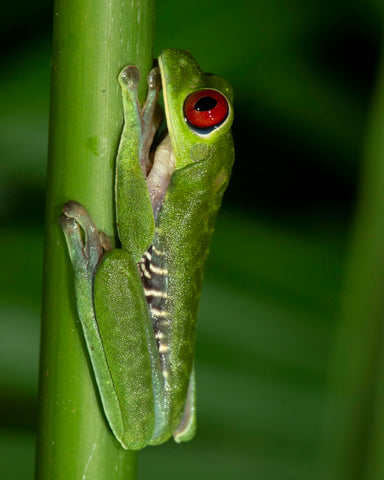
x=124, y=324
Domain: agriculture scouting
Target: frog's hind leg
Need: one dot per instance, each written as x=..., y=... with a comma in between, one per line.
x=86, y=246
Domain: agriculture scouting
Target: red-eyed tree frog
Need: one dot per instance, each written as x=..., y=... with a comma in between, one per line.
x=138, y=303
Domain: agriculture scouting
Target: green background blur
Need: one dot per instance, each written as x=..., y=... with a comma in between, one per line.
x=303, y=74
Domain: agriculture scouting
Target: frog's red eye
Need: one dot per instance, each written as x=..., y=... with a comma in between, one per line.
x=206, y=109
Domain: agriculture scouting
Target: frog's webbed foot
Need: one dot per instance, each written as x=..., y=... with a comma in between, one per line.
x=86, y=245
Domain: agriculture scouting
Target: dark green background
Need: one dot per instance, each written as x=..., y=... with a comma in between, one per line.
x=303, y=74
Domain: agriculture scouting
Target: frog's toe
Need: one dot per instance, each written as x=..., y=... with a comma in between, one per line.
x=130, y=77
x=73, y=209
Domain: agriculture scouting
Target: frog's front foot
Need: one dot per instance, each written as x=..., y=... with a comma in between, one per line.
x=86, y=245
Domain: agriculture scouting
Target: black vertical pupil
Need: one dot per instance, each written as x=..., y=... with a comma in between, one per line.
x=205, y=103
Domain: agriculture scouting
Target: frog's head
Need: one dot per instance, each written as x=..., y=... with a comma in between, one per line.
x=198, y=106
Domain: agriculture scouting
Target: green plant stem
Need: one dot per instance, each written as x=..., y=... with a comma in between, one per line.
x=92, y=41
x=355, y=425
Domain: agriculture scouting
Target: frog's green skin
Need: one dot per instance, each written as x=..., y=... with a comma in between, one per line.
x=139, y=323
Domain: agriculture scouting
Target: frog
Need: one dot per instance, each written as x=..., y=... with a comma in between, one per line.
x=138, y=302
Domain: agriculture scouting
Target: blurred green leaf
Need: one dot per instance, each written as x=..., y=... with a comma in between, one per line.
x=17, y=455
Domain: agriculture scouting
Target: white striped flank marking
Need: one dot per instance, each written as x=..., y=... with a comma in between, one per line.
x=156, y=251
x=148, y=255
x=163, y=348
x=158, y=270
x=155, y=293
x=144, y=270
x=159, y=313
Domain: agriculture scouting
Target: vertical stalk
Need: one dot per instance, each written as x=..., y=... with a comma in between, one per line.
x=355, y=426
x=92, y=41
